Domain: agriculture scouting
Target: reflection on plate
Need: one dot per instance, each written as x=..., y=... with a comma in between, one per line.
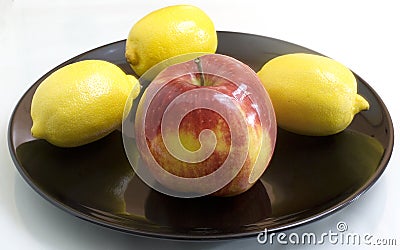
x=308, y=178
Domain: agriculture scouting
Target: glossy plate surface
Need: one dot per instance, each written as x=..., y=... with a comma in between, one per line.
x=308, y=178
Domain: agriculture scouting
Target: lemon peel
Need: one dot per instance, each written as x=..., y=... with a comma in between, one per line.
x=311, y=94
x=80, y=103
x=169, y=32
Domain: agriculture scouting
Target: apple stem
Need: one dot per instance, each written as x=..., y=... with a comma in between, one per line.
x=200, y=69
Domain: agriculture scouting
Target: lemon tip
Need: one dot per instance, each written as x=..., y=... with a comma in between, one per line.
x=35, y=132
x=361, y=103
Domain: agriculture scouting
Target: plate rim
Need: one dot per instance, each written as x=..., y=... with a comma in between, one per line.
x=134, y=231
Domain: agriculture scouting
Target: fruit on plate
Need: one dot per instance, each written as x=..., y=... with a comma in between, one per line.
x=205, y=126
x=168, y=32
x=80, y=103
x=312, y=94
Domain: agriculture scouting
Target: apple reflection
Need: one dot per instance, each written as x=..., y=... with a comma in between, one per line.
x=209, y=212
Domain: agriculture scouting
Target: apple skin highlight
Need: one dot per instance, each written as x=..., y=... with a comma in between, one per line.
x=234, y=120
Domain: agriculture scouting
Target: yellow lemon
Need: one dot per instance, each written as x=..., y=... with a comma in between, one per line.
x=81, y=102
x=311, y=94
x=169, y=32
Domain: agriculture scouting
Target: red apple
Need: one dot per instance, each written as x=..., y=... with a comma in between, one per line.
x=205, y=126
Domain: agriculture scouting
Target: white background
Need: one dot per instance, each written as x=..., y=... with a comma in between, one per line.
x=37, y=35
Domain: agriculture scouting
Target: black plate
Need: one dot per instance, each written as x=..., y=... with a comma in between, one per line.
x=308, y=178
